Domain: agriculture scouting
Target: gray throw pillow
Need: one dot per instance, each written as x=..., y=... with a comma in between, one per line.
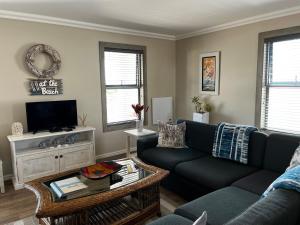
x=201, y=220
x=295, y=159
x=171, y=136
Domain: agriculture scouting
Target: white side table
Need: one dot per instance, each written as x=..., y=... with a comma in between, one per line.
x=1, y=178
x=135, y=133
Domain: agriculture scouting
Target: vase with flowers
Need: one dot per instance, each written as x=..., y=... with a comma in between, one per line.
x=138, y=108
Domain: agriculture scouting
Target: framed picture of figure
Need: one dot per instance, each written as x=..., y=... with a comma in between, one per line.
x=209, y=71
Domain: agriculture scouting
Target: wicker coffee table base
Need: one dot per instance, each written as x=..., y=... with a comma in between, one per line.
x=128, y=210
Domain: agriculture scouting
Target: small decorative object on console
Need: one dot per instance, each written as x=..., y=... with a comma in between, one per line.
x=17, y=128
x=82, y=119
x=71, y=139
x=58, y=141
x=45, y=144
x=101, y=170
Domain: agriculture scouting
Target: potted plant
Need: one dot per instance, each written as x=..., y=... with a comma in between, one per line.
x=138, y=112
x=202, y=109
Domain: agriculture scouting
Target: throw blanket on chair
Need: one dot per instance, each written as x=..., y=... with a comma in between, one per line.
x=231, y=142
x=289, y=180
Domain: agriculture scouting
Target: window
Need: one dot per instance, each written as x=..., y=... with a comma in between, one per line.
x=280, y=89
x=122, y=83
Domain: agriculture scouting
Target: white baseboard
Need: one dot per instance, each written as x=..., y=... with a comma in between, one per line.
x=115, y=153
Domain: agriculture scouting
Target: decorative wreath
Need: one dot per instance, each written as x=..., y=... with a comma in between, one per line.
x=46, y=49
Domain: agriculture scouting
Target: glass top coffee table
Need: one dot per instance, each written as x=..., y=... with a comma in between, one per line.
x=129, y=196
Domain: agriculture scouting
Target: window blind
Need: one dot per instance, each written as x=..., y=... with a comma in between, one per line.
x=280, y=106
x=123, y=71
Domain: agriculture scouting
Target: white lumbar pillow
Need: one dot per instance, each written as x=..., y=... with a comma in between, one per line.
x=296, y=159
x=201, y=220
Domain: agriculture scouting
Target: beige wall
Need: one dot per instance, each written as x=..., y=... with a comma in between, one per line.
x=80, y=73
x=238, y=46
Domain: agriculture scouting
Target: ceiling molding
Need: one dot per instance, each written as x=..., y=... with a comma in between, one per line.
x=99, y=27
x=5, y=14
x=237, y=23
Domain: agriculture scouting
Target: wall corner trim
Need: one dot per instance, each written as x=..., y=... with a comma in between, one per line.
x=5, y=14
x=237, y=23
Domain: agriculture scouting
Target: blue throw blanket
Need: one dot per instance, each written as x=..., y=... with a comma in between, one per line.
x=289, y=180
x=231, y=142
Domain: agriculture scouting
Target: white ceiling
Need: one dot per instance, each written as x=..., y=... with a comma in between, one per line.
x=172, y=17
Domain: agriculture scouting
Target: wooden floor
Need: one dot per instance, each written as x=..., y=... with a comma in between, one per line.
x=17, y=205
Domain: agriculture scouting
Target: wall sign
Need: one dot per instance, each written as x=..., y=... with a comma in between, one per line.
x=45, y=84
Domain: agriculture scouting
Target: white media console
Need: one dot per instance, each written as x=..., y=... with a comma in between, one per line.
x=29, y=161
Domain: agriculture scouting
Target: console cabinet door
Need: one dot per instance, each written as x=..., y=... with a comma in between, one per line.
x=76, y=157
x=30, y=167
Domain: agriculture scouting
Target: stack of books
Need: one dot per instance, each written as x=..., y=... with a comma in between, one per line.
x=66, y=187
x=97, y=185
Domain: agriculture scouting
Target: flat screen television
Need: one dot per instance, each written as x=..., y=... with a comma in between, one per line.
x=51, y=115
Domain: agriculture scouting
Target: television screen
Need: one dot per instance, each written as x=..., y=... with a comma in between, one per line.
x=52, y=115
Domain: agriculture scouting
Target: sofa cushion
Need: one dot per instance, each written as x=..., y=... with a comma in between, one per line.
x=256, y=149
x=280, y=207
x=257, y=182
x=168, y=158
x=172, y=220
x=145, y=143
x=221, y=205
x=199, y=136
x=213, y=172
x=279, y=151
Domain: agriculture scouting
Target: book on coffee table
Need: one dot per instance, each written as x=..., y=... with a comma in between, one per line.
x=67, y=186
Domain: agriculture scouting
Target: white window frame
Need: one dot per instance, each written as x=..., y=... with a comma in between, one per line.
x=141, y=85
x=261, y=82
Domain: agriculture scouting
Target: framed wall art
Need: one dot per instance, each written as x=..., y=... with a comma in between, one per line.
x=209, y=72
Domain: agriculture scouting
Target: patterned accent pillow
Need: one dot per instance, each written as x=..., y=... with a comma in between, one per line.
x=171, y=136
x=296, y=159
x=231, y=141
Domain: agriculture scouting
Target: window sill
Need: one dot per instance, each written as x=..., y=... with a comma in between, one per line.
x=269, y=131
x=120, y=126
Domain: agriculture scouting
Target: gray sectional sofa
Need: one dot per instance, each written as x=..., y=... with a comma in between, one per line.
x=230, y=192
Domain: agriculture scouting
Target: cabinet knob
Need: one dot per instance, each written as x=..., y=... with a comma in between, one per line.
x=56, y=156
x=61, y=156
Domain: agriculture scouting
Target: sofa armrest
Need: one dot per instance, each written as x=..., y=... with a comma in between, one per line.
x=146, y=143
x=279, y=207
